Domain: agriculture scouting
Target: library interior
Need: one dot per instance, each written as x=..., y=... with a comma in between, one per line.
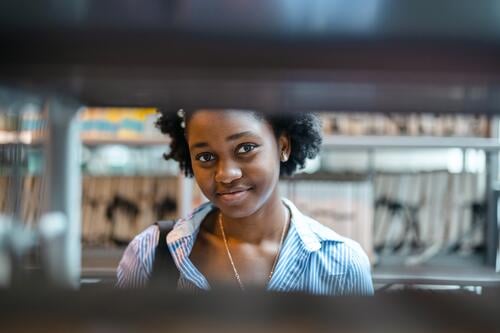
x=405, y=101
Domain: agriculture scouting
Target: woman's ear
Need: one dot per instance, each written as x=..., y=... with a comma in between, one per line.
x=285, y=147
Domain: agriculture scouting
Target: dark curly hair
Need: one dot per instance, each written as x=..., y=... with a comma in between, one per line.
x=303, y=129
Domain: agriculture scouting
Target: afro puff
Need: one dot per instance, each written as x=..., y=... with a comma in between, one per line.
x=303, y=130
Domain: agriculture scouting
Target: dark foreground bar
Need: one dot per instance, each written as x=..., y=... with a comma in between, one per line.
x=109, y=310
x=399, y=56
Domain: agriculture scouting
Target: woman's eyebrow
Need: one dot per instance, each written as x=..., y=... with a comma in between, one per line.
x=198, y=145
x=229, y=138
x=239, y=135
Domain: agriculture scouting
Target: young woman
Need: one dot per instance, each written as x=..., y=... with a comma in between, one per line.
x=247, y=235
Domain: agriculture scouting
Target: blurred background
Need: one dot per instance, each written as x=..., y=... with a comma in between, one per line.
x=408, y=93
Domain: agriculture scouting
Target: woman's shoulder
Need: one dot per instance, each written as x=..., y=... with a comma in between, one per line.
x=135, y=264
x=345, y=256
x=144, y=243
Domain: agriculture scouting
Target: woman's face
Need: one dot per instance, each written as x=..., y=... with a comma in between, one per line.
x=235, y=159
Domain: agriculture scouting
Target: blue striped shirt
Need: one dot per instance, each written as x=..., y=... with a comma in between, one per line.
x=313, y=259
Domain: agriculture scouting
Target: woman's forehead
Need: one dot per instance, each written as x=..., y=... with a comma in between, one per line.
x=210, y=123
x=224, y=113
x=223, y=119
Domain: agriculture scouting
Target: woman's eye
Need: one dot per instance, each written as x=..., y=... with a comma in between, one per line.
x=205, y=157
x=246, y=147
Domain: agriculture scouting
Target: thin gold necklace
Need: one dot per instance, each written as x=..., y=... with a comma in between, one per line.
x=236, y=274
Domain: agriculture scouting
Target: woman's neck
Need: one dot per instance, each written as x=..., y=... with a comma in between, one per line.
x=266, y=224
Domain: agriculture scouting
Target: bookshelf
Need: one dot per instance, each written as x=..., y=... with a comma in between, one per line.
x=407, y=142
x=25, y=138
x=37, y=140
x=329, y=141
x=127, y=142
x=443, y=270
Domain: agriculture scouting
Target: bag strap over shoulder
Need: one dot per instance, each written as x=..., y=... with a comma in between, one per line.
x=165, y=273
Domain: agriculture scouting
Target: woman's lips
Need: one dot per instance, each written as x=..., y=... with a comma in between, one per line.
x=233, y=196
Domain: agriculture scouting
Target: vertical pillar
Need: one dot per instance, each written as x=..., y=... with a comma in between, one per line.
x=63, y=189
x=492, y=227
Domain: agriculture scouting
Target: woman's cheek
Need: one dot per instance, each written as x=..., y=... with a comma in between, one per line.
x=205, y=181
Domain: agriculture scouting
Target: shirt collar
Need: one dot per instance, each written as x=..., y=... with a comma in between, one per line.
x=311, y=233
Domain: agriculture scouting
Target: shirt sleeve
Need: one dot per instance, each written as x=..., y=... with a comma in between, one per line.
x=134, y=268
x=358, y=278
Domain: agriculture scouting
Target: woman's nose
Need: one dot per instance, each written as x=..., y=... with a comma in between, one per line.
x=227, y=172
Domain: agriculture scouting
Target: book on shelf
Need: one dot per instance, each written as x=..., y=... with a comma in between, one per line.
x=409, y=124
